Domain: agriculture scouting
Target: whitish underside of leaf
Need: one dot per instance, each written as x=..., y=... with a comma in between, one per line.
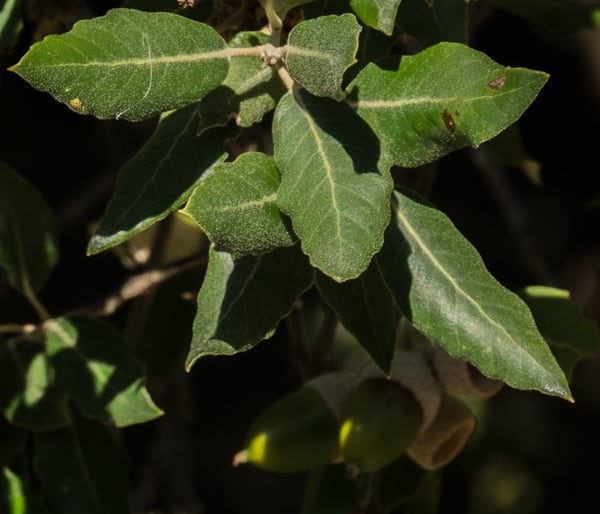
x=128, y=64
x=235, y=206
x=28, y=244
x=242, y=301
x=444, y=289
x=335, y=184
x=444, y=98
x=379, y=14
x=320, y=50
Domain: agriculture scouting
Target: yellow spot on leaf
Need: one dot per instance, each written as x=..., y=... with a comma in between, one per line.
x=75, y=103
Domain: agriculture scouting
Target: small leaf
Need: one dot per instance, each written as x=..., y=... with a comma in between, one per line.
x=82, y=469
x=570, y=335
x=28, y=242
x=128, y=64
x=367, y=309
x=379, y=14
x=160, y=177
x=444, y=289
x=235, y=206
x=421, y=114
x=320, y=50
x=335, y=185
x=95, y=366
x=11, y=23
x=242, y=302
x=29, y=396
x=431, y=22
x=257, y=87
x=16, y=498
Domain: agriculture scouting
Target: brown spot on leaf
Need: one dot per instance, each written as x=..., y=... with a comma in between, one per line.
x=75, y=103
x=498, y=82
x=449, y=121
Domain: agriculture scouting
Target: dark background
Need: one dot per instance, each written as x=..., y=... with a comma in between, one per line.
x=531, y=453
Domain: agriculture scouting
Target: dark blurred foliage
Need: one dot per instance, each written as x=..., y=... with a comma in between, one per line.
x=531, y=454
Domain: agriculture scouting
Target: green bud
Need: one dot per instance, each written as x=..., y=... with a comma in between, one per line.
x=296, y=433
x=381, y=420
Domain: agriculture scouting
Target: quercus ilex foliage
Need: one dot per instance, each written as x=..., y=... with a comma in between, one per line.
x=314, y=212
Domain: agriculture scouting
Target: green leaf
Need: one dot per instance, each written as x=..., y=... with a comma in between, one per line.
x=335, y=184
x=367, y=309
x=11, y=23
x=556, y=16
x=16, y=498
x=379, y=14
x=257, y=87
x=94, y=364
x=235, y=206
x=29, y=396
x=82, y=469
x=433, y=21
x=444, y=98
x=570, y=335
x=128, y=64
x=241, y=302
x=320, y=50
x=442, y=286
x=160, y=177
x=28, y=242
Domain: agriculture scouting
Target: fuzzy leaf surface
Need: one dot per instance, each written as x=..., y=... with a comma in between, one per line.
x=128, y=64
x=335, y=184
x=29, y=397
x=379, y=14
x=444, y=98
x=442, y=286
x=320, y=51
x=82, y=468
x=94, y=364
x=570, y=335
x=161, y=176
x=242, y=301
x=235, y=206
x=28, y=241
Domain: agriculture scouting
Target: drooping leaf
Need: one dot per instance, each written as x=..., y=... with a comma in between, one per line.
x=29, y=396
x=335, y=184
x=11, y=23
x=128, y=64
x=558, y=16
x=570, y=335
x=367, y=309
x=444, y=98
x=16, y=498
x=379, y=14
x=257, y=87
x=160, y=177
x=28, y=243
x=442, y=286
x=82, y=468
x=320, y=50
x=433, y=21
x=94, y=364
x=235, y=206
x=241, y=302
